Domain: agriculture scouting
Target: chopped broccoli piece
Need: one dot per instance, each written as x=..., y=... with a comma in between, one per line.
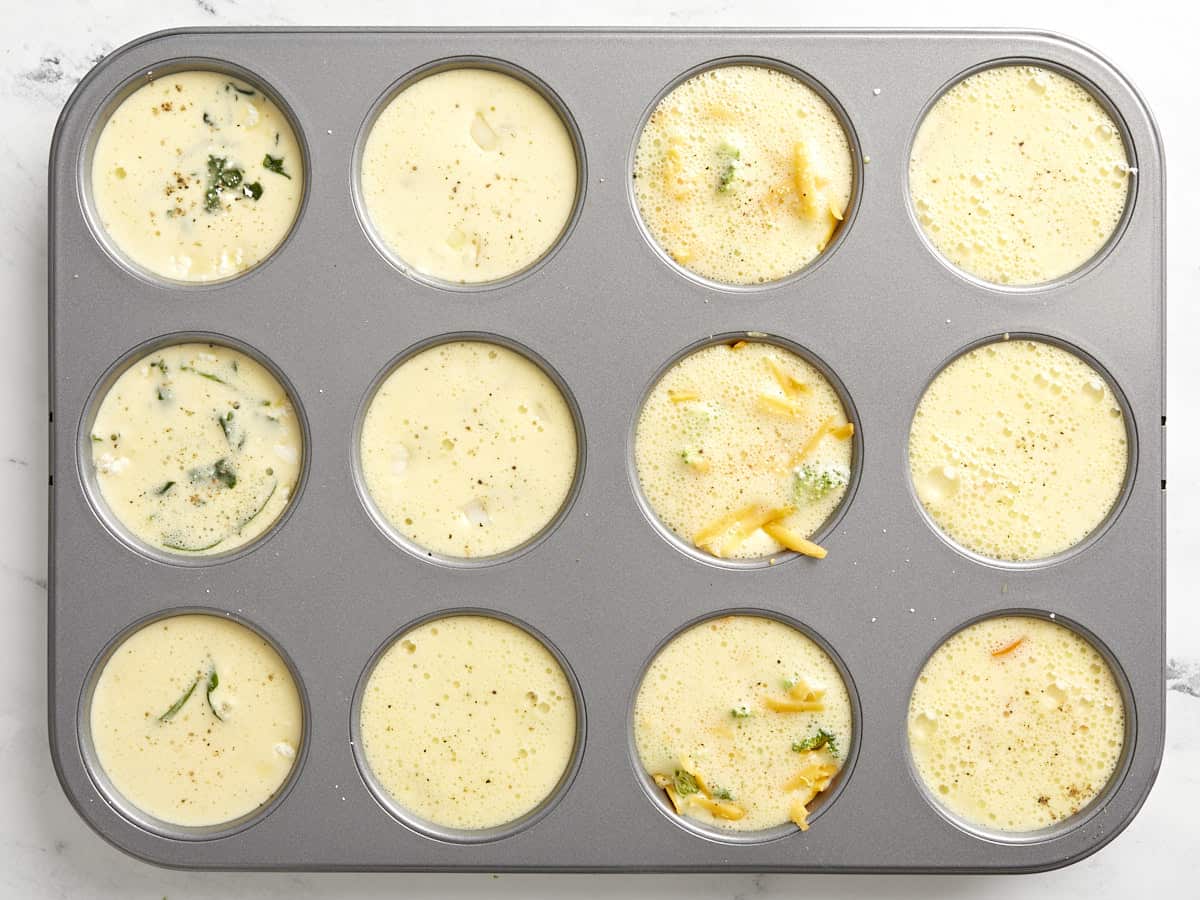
x=730, y=157
x=814, y=482
x=740, y=712
x=685, y=783
x=821, y=739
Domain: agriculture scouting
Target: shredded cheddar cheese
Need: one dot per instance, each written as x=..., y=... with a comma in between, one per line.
x=673, y=177
x=721, y=809
x=788, y=383
x=793, y=541
x=770, y=404
x=841, y=432
x=745, y=525
x=682, y=396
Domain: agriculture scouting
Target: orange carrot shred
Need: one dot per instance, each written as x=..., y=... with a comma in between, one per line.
x=1004, y=651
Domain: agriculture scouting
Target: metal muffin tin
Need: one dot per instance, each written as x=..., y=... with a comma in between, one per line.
x=606, y=310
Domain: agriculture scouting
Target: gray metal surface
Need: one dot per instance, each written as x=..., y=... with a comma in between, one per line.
x=606, y=311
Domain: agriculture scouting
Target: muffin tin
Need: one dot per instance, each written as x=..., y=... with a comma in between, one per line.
x=605, y=310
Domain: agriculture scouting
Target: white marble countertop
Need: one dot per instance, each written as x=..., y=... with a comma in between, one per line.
x=46, y=850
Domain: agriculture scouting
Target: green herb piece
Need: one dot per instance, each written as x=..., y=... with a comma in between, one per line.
x=788, y=684
x=275, y=164
x=178, y=704
x=97, y=439
x=722, y=794
x=224, y=473
x=254, y=515
x=208, y=375
x=159, y=364
x=165, y=393
x=209, y=687
x=811, y=483
x=740, y=712
x=729, y=156
x=221, y=471
x=221, y=176
x=249, y=92
x=253, y=190
x=232, y=430
x=207, y=119
x=685, y=783
x=184, y=548
x=821, y=739
x=166, y=487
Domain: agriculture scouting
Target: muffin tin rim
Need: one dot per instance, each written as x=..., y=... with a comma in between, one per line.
x=126, y=808
x=1132, y=461
x=99, y=119
x=1014, y=292
x=89, y=480
x=1093, y=807
x=426, y=828
x=1147, y=762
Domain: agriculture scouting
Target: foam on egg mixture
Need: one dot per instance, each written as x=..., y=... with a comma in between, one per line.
x=1016, y=723
x=1018, y=450
x=743, y=174
x=1018, y=175
x=468, y=722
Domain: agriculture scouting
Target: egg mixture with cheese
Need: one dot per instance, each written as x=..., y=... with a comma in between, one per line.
x=468, y=722
x=469, y=175
x=742, y=174
x=468, y=449
x=743, y=722
x=744, y=450
x=1018, y=450
x=197, y=449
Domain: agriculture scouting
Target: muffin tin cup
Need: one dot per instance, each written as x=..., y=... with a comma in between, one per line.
x=200, y=62
x=447, y=833
x=142, y=819
x=1092, y=808
x=1131, y=464
x=819, y=805
x=87, y=471
x=880, y=310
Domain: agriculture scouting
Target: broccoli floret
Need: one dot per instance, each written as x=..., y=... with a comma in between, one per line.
x=729, y=156
x=685, y=783
x=821, y=739
x=814, y=482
